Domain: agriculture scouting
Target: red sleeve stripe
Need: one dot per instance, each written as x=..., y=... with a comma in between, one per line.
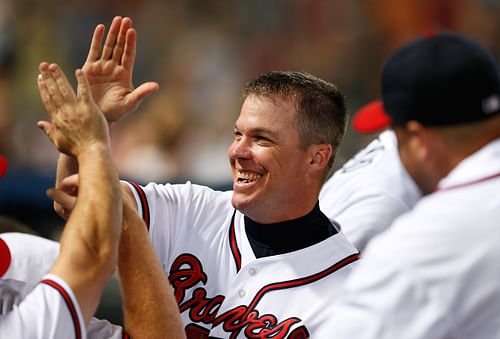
x=69, y=304
x=125, y=335
x=144, y=203
x=234, y=245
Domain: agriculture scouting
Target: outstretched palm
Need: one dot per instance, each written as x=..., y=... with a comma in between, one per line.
x=109, y=71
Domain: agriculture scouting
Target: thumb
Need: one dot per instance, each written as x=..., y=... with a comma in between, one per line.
x=138, y=94
x=44, y=126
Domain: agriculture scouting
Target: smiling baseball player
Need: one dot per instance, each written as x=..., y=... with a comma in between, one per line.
x=269, y=267
x=262, y=260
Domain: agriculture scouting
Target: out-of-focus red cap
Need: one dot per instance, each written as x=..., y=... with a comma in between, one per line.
x=371, y=118
x=3, y=166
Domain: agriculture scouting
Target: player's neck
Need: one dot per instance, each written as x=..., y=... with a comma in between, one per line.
x=288, y=236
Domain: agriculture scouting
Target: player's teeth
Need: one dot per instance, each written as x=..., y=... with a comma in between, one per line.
x=247, y=177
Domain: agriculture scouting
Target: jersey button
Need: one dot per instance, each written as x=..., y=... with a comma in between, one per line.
x=252, y=271
x=242, y=293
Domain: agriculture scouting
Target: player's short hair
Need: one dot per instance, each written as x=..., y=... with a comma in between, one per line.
x=321, y=113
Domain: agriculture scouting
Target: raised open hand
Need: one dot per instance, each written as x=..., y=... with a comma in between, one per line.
x=77, y=124
x=109, y=71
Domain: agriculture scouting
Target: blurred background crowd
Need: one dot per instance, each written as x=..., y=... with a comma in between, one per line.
x=201, y=53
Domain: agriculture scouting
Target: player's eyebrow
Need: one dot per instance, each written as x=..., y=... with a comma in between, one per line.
x=258, y=131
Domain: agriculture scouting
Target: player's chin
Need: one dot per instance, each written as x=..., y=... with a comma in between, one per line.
x=241, y=201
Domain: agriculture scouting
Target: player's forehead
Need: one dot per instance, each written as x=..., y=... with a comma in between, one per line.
x=262, y=114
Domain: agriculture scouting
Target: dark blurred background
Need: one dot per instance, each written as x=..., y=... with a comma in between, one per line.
x=202, y=53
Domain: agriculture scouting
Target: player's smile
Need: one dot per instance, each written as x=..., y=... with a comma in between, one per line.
x=243, y=177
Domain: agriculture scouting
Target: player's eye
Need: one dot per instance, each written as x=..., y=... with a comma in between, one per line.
x=237, y=135
x=262, y=140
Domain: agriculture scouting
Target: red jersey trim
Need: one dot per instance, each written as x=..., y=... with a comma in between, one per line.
x=473, y=182
x=144, y=203
x=303, y=281
x=69, y=304
x=5, y=257
x=234, y=245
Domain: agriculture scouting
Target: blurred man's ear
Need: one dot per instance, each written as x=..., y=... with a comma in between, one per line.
x=418, y=139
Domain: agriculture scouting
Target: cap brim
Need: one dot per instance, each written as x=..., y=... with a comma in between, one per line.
x=371, y=118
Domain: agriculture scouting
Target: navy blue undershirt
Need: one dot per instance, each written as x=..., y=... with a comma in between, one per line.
x=288, y=236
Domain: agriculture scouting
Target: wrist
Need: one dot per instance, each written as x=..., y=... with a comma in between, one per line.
x=93, y=151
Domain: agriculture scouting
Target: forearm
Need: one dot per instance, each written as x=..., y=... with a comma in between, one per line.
x=90, y=239
x=66, y=166
x=99, y=202
x=149, y=304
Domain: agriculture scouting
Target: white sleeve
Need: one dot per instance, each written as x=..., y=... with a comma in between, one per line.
x=103, y=329
x=49, y=311
x=384, y=298
x=367, y=218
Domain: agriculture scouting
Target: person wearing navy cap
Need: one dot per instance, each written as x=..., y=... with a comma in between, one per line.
x=434, y=272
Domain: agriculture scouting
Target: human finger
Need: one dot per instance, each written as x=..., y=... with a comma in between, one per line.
x=138, y=94
x=45, y=126
x=109, y=44
x=128, y=57
x=120, y=42
x=62, y=82
x=69, y=184
x=95, y=44
x=52, y=88
x=45, y=96
x=63, y=202
x=43, y=66
x=83, y=87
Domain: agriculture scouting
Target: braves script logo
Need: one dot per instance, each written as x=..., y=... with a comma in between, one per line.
x=187, y=272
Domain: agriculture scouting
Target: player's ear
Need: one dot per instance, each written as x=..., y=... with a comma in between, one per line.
x=320, y=156
x=421, y=140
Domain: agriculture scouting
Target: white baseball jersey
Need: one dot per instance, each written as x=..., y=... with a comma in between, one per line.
x=369, y=191
x=435, y=273
x=222, y=290
x=34, y=304
x=50, y=310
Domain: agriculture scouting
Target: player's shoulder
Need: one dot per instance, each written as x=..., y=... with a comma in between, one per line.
x=26, y=257
x=173, y=190
x=375, y=170
x=380, y=152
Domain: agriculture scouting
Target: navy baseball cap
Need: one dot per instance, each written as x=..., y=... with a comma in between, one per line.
x=438, y=80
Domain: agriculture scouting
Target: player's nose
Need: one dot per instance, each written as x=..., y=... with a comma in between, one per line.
x=240, y=149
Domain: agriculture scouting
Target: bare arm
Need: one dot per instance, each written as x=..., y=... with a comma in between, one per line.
x=147, y=295
x=109, y=67
x=89, y=243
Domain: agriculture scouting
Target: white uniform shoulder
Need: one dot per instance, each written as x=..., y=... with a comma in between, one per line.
x=26, y=257
x=369, y=191
x=50, y=310
x=433, y=273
